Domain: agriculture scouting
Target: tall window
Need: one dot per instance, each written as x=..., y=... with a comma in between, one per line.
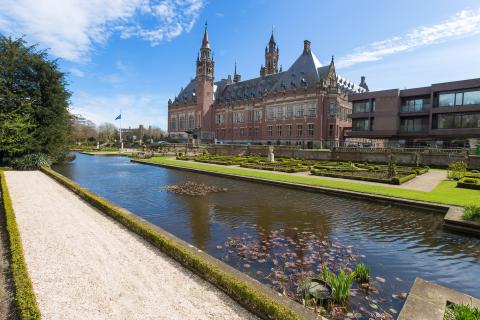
x=310, y=131
x=279, y=131
x=279, y=112
x=257, y=132
x=182, y=122
x=173, y=123
x=312, y=109
x=299, y=130
x=258, y=115
x=330, y=130
x=290, y=111
x=299, y=110
x=269, y=131
x=332, y=109
x=289, y=130
x=271, y=113
x=191, y=121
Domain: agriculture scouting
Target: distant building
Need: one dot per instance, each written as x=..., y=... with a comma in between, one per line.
x=443, y=114
x=78, y=119
x=307, y=104
x=140, y=133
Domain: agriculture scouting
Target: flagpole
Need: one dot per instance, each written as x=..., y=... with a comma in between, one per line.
x=121, y=142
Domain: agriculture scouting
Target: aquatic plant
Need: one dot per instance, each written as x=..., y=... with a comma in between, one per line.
x=472, y=212
x=340, y=283
x=362, y=273
x=461, y=312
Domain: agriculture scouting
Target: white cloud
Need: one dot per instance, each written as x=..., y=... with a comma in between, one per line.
x=147, y=109
x=77, y=72
x=463, y=24
x=71, y=28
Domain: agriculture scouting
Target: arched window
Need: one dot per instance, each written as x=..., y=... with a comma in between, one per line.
x=191, y=121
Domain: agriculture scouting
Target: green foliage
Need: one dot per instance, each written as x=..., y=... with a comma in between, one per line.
x=254, y=300
x=469, y=183
x=457, y=170
x=462, y=312
x=34, y=114
x=25, y=299
x=340, y=283
x=31, y=162
x=362, y=273
x=392, y=166
x=471, y=212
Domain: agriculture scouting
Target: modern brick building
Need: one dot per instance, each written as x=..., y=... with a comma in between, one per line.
x=443, y=114
x=305, y=105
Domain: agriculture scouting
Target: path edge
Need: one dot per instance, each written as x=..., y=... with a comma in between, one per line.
x=249, y=293
x=24, y=296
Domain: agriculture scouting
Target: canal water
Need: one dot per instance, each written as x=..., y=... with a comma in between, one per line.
x=279, y=235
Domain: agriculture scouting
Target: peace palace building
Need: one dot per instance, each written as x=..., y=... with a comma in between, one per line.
x=304, y=105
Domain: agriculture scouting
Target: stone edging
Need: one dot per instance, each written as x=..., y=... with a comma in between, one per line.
x=428, y=301
x=248, y=292
x=453, y=215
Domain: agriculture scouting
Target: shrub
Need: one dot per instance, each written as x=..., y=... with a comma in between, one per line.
x=469, y=183
x=362, y=273
x=457, y=170
x=471, y=212
x=31, y=162
x=461, y=312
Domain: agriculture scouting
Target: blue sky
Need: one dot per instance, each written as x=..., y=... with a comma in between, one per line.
x=133, y=55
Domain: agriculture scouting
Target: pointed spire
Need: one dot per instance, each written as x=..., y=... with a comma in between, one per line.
x=205, y=43
x=272, y=38
x=333, y=60
x=235, y=70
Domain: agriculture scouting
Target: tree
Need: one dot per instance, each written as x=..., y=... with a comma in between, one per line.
x=33, y=102
x=84, y=134
x=107, y=132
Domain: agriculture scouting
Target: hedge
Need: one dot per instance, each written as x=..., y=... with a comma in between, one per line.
x=24, y=296
x=395, y=180
x=254, y=300
x=469, y=183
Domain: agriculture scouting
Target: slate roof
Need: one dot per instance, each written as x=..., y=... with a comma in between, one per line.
x=305, y=71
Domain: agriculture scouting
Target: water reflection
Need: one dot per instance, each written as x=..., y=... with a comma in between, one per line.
x=395, y=242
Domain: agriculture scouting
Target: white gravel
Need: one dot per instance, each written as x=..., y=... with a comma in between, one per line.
x=83, y=265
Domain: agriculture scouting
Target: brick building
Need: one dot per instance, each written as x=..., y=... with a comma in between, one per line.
x=441, y=115
x=305, y=105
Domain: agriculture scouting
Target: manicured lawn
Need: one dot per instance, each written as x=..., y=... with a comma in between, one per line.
x=445, y=193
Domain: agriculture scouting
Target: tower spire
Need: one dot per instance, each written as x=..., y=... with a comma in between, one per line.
x=271, y=56
x=205, y=43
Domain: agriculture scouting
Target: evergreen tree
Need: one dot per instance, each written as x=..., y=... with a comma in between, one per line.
x=34, y=115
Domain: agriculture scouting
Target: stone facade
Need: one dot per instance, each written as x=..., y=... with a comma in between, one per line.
x=304, y=105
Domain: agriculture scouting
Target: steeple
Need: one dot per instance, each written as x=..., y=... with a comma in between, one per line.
x=205, y=63
x=271, y=57
x=236, y=77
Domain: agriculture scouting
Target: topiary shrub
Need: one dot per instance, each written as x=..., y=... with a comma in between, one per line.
x=31, y=162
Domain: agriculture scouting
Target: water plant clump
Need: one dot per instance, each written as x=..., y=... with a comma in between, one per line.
x=461, y=312
x=362, y=273
x=340, y=283
x=194, y=189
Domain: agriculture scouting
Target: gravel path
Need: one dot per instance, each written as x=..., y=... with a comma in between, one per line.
x=85, y=266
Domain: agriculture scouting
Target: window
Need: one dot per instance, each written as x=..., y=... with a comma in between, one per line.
x=312, y=109
x=446, y=100
x=258, y=115
x=279, y=131
x=361, y=106
x=290, y=111
x=269, y=131
x=242, y=132
x=257, y=131
x=471, y=97
x=289, y=130
x=299, y=110
x=271, y=113
x=299, y=130
x=414, y=125
x=360, y=125
x=310, y=131
x=182, y=122
x=459, y=99
x=330, y=130
x=457, y=121
x=173, y=124
x=413, y=105
x=220, y=118
x=332, y=109
x=279, y=112
x=191, y=121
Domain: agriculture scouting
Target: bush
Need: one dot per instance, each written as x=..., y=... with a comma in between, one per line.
x=471, y=212
x=31, y=162
x=457, y=170
x=469, y=183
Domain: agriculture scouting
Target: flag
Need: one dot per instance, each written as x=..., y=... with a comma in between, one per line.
x=119, y=117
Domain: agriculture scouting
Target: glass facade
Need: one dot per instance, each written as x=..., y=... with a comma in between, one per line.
x=361, y=106
x=414, y=105
x=457, y=120
x=459, y=98
x=414, y=125
x=360, y=125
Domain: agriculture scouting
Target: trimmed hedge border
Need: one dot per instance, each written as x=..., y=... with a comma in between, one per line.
x=462, y=183
x=335, y=174
x=251, y=298
x=25, y=299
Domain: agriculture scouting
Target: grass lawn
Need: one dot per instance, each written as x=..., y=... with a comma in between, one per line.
x=446, y=192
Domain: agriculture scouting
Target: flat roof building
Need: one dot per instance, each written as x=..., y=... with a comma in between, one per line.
x=443, y=114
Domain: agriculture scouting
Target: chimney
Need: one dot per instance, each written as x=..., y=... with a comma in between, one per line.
x=306, y=46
